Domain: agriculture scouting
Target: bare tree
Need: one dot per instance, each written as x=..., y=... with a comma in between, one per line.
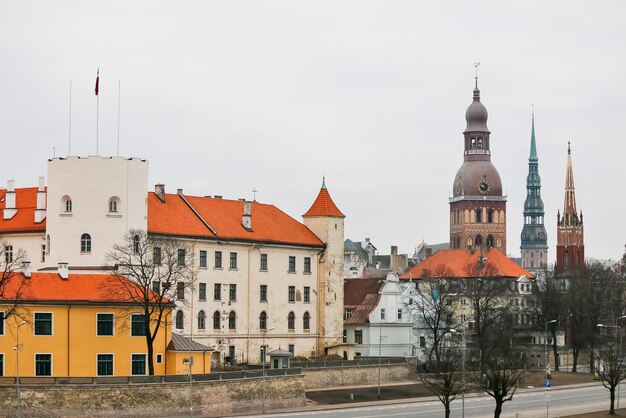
x=613, y=369
x=443, y=377
x=11, y=281
x=551, y=304
x=151, y=273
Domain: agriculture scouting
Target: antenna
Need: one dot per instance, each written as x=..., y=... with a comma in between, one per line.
x=119, y=95
x=69, y=148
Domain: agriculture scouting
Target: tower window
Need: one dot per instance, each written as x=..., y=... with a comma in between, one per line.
x=478, y=241
x=490, y=216
x=490, y=241
x=479, y=215
x=85, y=243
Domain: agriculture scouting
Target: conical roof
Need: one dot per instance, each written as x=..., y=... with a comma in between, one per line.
x=324, y=205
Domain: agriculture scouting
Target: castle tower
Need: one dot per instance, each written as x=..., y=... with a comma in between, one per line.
x=534, y=238
x=477, y=206
x=570, y=250
x=327, y=222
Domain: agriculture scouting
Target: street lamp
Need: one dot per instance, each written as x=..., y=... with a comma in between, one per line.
x=619, y=384
x=547, y=368
x=17, y=366
x=380, y=344
x=265, y=331
x=462, y=368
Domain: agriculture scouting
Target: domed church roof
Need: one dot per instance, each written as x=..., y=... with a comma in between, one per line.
x=476, y=114
x=477, y=178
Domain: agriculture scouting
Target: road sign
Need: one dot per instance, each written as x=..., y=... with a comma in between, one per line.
x=548, y=384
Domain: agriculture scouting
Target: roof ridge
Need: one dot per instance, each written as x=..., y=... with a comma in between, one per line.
x=204, y=222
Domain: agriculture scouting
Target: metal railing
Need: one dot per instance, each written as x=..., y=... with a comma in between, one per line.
x=364, y=361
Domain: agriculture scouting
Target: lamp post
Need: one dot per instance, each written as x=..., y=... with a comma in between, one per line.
x=380, y=344
x=264, y=332
x=547, y=367
x=619, y=384
x=17, y=366
x=462, y=368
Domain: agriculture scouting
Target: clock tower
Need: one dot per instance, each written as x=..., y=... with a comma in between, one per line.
x=534, y=239
x=477, y=205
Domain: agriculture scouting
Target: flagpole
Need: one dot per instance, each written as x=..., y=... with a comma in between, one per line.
x=119, y=94
x=97, y=90
x=69, y=151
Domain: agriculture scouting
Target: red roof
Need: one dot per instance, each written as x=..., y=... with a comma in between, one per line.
x=199, y=216
x=77, y=287
x=24, y=219
x=458, y=264
x=324, y=205
x=362, y=296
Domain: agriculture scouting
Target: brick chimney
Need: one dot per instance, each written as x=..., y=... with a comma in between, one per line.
x=246, y=219
x=159, y=191
x=9, y=208
x=40, y=211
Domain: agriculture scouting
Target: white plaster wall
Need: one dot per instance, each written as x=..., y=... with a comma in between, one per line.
x=91, y=182
x=31, y=243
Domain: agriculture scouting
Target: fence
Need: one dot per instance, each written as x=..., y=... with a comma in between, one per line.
x=363, y=361
x=124, y=380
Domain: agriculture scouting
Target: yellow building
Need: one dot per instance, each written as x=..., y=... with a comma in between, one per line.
x=76, y=326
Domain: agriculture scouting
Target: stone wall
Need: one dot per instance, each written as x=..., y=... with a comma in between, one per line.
x=358, y=375
x=151, y=400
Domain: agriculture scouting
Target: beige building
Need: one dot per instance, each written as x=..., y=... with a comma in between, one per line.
x=260, y=276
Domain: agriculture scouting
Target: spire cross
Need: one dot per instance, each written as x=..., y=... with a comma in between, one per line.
x=254, y=190
x=476, y=64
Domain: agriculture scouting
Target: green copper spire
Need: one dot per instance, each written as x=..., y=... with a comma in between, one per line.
x=323, y=182
x=533, y=145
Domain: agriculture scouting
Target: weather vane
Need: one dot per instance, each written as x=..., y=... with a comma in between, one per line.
x=476, y=64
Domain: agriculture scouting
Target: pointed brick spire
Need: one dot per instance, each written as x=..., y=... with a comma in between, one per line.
x=569, y=207
x=324, y=205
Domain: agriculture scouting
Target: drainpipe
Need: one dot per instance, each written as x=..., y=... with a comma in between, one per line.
x=69, y=345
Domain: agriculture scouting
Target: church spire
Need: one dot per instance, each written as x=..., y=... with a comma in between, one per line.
x=570, y=195
x=533, y=145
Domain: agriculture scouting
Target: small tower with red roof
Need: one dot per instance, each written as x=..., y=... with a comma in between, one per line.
x=326, y=221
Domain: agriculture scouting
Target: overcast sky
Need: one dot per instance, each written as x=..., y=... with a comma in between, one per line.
x=226, y=96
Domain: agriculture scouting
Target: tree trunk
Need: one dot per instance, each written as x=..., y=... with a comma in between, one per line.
x=575, y=351
x=498, y=410
x=150, y=348
x=555, y=351
x=612, y=409
x=447, y=407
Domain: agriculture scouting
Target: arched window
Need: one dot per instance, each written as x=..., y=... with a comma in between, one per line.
x=499, y=242
x=136, y=244
x=216, y=320
x=422, y=342
x=201, y=320
x=479, y=215
x=112, y=205
x=480, y=143
x=490, y=241
x=306, y=321
x=566, y=260
x=263, y=321
x=85, y=243
x=478, y=241
x=179, y=320
x=232, y=320
x=66, y=204
x=291, y=321
x=469, y=242
x=490, y=216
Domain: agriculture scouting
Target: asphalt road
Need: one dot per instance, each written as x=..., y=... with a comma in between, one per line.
x=563, y=401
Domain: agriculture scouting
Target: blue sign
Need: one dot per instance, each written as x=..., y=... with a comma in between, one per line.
x=548, y=384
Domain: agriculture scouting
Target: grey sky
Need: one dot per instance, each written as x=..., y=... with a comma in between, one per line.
x=223, y=97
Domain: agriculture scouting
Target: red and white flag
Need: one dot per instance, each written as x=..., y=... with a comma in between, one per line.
x=97, y=81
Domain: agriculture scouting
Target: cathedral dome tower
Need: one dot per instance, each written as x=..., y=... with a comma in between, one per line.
x=477, y=206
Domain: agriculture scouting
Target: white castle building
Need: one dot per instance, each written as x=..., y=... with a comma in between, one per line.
x=262, y=276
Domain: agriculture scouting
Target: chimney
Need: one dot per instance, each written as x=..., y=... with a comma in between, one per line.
x=217, y=196
x=246, y=219
x=9, y=208
x=159, y=191
x=63, y=270
x=26, y=269
x=429, y=252
x=394, y=250
x=40, y=212
x=179, y=192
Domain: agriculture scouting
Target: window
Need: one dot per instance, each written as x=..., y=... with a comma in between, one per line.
x=422, y=342
x=232, y=292
x=136, y=244
x=292, y=293
x=292, y=348
x=218, y=259
x=217, y=291
x=8, y=253
x=264, y=262
x=203, y=262
x=216, y=320
x=306, y=321
x=1, y=364
x=159, y=358
x=307, y=264
x=232, y=320
x=382, y=313
x=85, y=243
x=1, y=324
x=291, y=321
x=179, y=320
x=105, y=364
x=43, y=252
x=263, y=293
x=292, y=264
x=68, y=205
x=307, y=294
x=181, y=256
x=138, y=364
x=112, y=206
x=202, y=291
x=358, y=337
x=347, y=314
x=263, y=321
x=180, y=290
x=400, y=314
x=156, y=256
x=201, y=320
x=43, y=364
x=137, y=325
x=43, y=323
x=156, y=287
x=104, y=323
x=233, y=260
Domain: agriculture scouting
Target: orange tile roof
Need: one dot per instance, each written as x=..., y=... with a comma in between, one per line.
x=454, y=263
x=24, y=219
x=224, y=216
x=49, y=287
x=324, y=205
